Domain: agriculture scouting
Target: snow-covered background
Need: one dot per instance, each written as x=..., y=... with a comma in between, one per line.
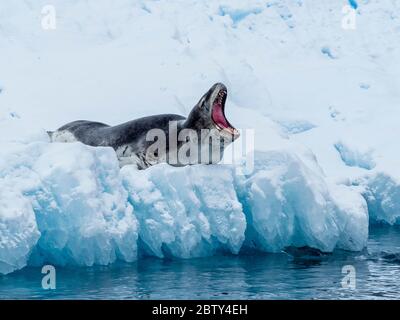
x=323, y=101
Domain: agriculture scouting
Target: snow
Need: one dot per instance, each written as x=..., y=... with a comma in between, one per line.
x=322, y=100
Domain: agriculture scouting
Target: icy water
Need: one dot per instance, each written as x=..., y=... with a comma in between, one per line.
x=269, y=276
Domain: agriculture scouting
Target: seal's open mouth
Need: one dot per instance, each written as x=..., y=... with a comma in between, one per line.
x=218, y=114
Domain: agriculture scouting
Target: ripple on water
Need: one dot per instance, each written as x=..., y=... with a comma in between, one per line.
x=300, y=273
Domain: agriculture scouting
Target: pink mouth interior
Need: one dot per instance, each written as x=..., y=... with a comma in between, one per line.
x=219, y=117
x=218, y=114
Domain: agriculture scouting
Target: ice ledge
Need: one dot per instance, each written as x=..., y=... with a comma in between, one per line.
x=63, y=211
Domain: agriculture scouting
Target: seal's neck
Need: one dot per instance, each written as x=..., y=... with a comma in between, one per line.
x=197, y=119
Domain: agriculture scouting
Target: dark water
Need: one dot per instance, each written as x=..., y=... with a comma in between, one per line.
x=269, y=276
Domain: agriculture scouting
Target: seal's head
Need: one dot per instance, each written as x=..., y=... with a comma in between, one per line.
x=209, y=113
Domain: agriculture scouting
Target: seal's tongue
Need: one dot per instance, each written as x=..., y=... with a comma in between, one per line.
x=219, y=117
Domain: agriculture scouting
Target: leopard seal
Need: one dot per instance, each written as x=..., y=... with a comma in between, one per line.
x=198, y=138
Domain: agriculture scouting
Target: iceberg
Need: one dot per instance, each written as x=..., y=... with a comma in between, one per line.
x=81, y=208
x=18, y=230
x=287, y=203
x=186, y=212
x=63, y=204
x=71, y=204
x=382, y=191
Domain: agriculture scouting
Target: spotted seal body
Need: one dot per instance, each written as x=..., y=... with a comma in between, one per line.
x=171, y=138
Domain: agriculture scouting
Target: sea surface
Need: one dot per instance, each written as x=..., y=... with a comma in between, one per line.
x=374, y=274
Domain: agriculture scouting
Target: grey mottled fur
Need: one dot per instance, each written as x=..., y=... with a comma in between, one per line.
x=129, y=139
